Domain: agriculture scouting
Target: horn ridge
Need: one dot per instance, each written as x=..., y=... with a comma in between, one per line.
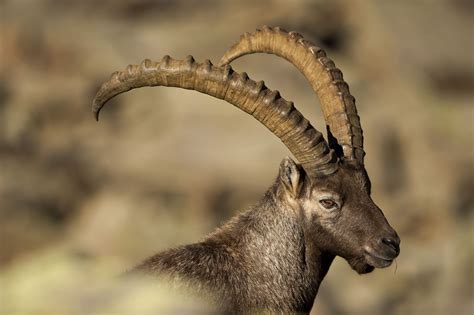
x=267, y=106
x=325, y=79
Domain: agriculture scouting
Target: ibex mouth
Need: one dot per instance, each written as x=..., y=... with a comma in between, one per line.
x=376, y=260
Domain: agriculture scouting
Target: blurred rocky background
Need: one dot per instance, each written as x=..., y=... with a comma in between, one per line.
x=82, y=201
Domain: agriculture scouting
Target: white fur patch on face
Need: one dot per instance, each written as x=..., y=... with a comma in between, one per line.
x=313, y=209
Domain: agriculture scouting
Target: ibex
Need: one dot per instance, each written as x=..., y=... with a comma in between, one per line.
x=274, y=256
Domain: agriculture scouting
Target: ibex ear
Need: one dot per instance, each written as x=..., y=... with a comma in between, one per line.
x=290, y=176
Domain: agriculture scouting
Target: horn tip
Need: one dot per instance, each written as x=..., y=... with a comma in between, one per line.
x=95, y=113
x=96, y=110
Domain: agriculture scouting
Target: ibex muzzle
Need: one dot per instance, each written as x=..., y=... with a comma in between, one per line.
x=275, y=255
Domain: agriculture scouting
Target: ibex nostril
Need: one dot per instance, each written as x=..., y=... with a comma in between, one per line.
x=392, y=243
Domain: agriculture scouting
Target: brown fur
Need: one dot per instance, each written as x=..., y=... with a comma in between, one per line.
x=275, y=255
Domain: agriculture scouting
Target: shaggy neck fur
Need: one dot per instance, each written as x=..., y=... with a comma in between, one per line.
x=262, y=259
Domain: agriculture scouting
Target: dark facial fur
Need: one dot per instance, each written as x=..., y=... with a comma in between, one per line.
x=340, y=213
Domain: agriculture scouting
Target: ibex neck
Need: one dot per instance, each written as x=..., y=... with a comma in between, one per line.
x=261, y=259
x=282, y=267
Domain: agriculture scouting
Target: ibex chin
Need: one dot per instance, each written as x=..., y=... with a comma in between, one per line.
x=274, y=256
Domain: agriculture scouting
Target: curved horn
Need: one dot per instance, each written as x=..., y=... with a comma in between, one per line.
x=337, y=104
x=278, y=115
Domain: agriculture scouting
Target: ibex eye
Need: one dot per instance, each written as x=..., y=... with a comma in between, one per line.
x=328, y=203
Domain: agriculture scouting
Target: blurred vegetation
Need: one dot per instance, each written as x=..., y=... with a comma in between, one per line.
x=80, y=202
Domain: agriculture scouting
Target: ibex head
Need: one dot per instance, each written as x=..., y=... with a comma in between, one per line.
x=335, y=202
x=339, y=215
x=329, y=189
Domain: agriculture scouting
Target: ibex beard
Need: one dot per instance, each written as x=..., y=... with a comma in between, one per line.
x=275, y=255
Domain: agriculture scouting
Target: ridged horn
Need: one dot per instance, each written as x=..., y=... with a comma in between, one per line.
x=337, y=104
x=267, y=106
